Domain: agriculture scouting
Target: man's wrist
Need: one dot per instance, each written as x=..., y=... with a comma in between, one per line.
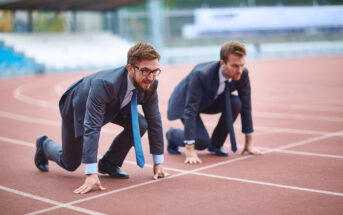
x=91, y=168
x=189, y=142
x=158, y=159
x=190, y=147
x=249, y=134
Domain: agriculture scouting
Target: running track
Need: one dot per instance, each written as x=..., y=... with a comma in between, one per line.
x=298, y=118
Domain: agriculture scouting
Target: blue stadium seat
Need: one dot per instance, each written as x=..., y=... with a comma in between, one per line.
x=13, y=63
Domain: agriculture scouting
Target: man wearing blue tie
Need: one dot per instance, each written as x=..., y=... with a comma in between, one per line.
x=100, y=98
x=208, y=90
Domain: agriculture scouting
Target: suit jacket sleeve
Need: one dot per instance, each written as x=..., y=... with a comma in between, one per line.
x=244, y=92
x=153, y=117
x=98, y=97
x=192, y=106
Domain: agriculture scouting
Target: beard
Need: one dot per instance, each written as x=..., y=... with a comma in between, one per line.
x=237, y=77
x=139, y=86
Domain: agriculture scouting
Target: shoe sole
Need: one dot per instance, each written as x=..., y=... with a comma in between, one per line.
x=38, y=149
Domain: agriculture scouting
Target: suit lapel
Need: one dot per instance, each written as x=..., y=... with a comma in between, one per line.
x=123, y=87
x=215, y=80
x=114, y=106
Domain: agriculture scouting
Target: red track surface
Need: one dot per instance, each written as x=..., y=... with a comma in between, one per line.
x=298, y=118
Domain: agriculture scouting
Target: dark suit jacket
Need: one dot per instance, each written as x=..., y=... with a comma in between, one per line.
x=95, y=100
x=197, y=92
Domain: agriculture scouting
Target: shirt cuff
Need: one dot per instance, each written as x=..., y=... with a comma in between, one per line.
x=158, y=158
x=249, y=134
x=189, y=142
x=91, y=168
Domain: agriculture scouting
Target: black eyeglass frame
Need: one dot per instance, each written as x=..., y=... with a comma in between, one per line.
x=147, y=72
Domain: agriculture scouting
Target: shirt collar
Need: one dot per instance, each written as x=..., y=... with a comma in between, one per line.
x=222, y=78
x=130, y=85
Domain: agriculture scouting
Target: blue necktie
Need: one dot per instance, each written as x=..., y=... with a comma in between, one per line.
x=135, y=131
x=229, y=117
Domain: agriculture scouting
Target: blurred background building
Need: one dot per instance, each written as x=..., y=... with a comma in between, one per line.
x=44, y=36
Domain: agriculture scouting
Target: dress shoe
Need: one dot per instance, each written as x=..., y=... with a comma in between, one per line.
x=172, y=148
x=40, y=160
x=218, y=151
x=106, y=167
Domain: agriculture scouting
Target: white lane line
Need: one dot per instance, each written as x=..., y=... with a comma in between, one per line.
x=106, y=194
x=270, y=184
x=289, y=116
x=296, y=116
x=45, y=104
x=278, y=129
x=272, y=150
x=29, y=100
x=290, y=130
x=305, y=153
x=28, y=119
x=306, y=141
x=35, y=197
x=183, y=172
x=31, y=144
x=15, y=141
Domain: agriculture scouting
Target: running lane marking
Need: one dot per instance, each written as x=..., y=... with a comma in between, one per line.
x=195, y=171
x=270, y=184
x=35, y=197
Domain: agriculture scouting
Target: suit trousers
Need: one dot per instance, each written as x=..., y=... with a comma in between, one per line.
x=202, y=139
x=68, y=155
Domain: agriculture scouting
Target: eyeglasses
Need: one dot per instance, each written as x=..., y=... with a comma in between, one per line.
x=146, y=71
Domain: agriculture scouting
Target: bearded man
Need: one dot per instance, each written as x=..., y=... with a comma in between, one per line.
x=109, y=96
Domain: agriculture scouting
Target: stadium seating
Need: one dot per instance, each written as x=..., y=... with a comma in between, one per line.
x=69, y=51
x=13, y=63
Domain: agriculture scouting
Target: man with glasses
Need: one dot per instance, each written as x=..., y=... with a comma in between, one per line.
x=208, y=89
x=100, y=98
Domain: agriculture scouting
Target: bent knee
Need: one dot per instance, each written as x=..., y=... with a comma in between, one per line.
x=201, y=144
x=72, y=167
x=236, y=104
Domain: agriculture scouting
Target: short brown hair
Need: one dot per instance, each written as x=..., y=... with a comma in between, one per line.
x=235, y=48
x=141, y=51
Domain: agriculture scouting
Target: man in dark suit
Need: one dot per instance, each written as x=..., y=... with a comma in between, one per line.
x=207, y=89
x=98, y=99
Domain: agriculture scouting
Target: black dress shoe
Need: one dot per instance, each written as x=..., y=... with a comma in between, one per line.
x=106, y=167
x=172, y=148
x=218, y=151
x=40, y=160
